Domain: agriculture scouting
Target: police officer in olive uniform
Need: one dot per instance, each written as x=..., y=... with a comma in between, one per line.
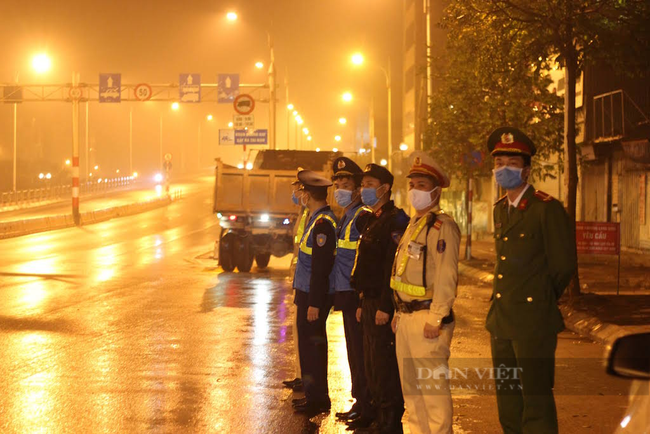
x=314, y=292
x=371, y=280
x=347, y=181
x=298, y=230
x=535, y=261
x=424, y=278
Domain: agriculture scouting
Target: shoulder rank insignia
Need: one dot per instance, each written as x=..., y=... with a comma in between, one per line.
x=544, y=197
x=437, y=225
x=522, y=204
x=321, y=239
x=501, y=199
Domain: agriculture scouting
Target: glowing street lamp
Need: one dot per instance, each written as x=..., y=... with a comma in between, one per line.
x=309, y=138
x=209, y=117
x=347, y=97
x=357, y=59
x=231, y=16
x=305, y=130
x=175, y=106
x=290, y=107
x=383, y=162
x=41, y=63
x=295, y=113
x=299, y=120
x=67, y=162
x=230, y=124
x=337, y=138
x=403, y=147
x=335, y=149
x=259, y=65
x=343, y=121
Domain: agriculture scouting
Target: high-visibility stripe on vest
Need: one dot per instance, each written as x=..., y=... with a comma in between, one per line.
x=345, y=243
x=301, y=226
x=395, y=281
x=303, y=244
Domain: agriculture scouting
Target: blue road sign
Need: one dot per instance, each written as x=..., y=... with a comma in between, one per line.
x=227, y=88
x=251, y=137
x=110, y=87
x=189, y=88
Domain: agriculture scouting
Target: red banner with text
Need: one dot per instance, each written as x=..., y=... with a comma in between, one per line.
x=598, y=238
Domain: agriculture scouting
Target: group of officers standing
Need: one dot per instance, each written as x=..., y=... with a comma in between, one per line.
x=394, y=278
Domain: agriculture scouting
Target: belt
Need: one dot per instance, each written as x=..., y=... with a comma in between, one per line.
x=417, y=305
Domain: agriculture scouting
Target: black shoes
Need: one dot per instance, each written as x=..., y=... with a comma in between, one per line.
x=311, y=409
x=352, y=413
x=290, y=384
x=360, y=423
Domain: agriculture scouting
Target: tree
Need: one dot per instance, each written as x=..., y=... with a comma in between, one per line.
x=571, y=32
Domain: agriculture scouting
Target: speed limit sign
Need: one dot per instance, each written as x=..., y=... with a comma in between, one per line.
x=142, y=92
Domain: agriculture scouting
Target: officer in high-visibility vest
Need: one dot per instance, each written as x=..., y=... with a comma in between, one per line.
x=424, y=279
x=347, y=181
x=371, y=279
x=535, y=261
x=298, y=230
x=314, y=291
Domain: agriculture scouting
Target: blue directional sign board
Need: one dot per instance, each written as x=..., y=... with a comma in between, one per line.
x=251, y=137
x=227, y=88
x=110, y=87
x=189, y=88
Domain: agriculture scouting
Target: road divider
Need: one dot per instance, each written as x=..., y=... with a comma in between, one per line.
x=19, y=228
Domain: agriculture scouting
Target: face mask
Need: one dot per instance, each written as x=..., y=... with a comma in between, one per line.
x=369, y=196
x=421, y=199
x=304, y=199
x=508, y=177
x=294, y=199
x=343, y=197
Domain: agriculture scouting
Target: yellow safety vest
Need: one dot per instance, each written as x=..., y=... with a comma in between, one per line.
x=345, y=243
x=301, y=226
x=303, y=244
x=396, y=280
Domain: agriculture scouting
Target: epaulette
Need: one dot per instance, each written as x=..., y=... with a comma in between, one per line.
x=437, y=225
x=544, y=197
x=500, y=199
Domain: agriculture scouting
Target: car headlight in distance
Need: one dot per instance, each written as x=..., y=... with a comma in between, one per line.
x=158, y=177
x=264, y=218
x=286, y=221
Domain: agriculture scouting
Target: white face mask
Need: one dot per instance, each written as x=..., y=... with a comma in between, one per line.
x=421, y=199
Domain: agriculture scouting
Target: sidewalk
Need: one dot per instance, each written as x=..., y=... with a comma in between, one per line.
x=598, y=313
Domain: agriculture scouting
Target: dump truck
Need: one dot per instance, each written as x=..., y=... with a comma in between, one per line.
x=254, y=207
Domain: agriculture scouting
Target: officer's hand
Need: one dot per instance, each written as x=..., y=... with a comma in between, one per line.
x=393, y=324
x=381, y=318
x=358, y=314
x=312, y=314
x=431, y=332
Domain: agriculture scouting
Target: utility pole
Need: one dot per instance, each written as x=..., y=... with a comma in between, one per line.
x=286, y=90
x=15, y=138
x=130, y=141
x=272, y=106
x=390, y=118
x=75, y=153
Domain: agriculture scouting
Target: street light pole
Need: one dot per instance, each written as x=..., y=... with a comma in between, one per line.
x=272, y=106
x=161, y=142
x=15, y=138
x=75, y=153
x=130, y=141
x=390, y=119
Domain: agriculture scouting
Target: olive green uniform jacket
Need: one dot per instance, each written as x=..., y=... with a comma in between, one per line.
x=535, y=261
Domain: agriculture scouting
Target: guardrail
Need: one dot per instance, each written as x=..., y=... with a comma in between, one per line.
x=24, y=198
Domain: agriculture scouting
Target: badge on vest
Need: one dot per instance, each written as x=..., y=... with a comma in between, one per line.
x=321, y=239
x=442, y=245
x=414, y=250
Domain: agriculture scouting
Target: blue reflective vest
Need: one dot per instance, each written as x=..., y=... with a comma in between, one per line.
x=346, y=250
x=303, y=267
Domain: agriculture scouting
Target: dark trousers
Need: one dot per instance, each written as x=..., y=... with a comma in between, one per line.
x=312, y=349
x=380, y=359
x=524, y=388
x=354, y=343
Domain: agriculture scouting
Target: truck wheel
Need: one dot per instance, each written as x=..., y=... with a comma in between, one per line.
x=262, y=260
x=243, y=254
x=226, y=250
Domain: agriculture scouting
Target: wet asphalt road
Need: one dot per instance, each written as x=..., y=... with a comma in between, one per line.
x=128, y=326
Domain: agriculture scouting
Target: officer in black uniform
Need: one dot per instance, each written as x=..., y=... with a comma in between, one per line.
x=314, y=291
x=371, y=280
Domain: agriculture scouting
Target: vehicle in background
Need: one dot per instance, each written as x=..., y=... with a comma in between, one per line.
x=254, y=206
x=629, y=357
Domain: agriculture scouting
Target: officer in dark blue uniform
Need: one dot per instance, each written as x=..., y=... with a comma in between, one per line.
x=347, y=181
x=371, y=280
x=314, y=291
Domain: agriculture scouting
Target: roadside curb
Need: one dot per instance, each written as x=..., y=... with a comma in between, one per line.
x=19, y=228
x=577, y=321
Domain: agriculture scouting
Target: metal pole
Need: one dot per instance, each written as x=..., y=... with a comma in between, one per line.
x=470, y=194
x=75, y=153
x=198, y=151
x=87, y=146
x=161, y=142
x=371, y=129
x=15, y=143
x=286, y=95
x=130, y=141
x=272, y=102
x=390, y=122
x=297, y=144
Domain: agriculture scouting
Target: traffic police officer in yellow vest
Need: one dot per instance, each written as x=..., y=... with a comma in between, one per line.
x=347, y=181
x=298, y=230
x=314, y=292
x=535, y=261
x=424, y=280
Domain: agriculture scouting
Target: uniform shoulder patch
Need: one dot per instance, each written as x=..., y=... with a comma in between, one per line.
x=437, y=225
x=544, y=197
x=321, y=239
x=441, y=246
x=501, y=199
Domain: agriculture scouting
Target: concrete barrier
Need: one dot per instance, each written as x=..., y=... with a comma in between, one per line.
x=19, y=228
